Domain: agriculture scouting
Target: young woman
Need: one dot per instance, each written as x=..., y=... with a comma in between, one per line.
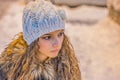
x=42, y=51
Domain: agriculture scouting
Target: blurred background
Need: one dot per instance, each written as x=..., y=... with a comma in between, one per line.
x=93, y=27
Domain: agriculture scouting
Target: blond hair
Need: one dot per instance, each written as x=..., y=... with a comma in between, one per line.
x=19, y=62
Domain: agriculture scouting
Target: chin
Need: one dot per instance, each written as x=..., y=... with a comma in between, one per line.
x=53, y=56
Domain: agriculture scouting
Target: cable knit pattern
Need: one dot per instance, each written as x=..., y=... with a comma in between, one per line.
x=39, y=18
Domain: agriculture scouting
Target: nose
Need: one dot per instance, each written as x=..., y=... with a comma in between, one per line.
x=56, y=42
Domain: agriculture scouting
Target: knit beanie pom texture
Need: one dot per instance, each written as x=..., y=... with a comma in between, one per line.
x=41, y=17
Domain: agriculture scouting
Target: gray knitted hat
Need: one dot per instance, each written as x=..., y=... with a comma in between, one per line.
x=41, y=17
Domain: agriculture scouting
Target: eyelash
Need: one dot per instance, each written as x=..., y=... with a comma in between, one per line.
x=48, y=37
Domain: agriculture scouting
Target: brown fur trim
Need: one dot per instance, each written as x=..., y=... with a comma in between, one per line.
x=20, y=63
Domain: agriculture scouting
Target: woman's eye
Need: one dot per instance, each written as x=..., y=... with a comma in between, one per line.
x=60, y=34
x=47, y=37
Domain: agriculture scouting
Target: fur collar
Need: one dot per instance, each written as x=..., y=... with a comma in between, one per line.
x=60, y=68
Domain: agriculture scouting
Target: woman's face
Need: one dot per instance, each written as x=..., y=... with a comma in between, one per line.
x=50, y=44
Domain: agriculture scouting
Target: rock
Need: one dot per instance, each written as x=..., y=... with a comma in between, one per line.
x=97, y=48
x=114, y=10
x=79, y=2
x=114, y=3
x=85, y=14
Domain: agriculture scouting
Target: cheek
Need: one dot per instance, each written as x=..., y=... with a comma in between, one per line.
x=44, y=46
